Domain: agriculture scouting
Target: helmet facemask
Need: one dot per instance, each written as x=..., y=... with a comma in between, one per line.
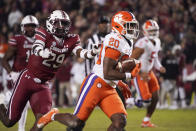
x=131, y=30
x=152, y=34
x=29, y=29
x=58, y=27
x=28, y=25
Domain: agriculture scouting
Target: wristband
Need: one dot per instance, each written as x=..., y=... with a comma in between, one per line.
x=128, y=75
x=82, y=53
x=89, y=55
x=120, y=66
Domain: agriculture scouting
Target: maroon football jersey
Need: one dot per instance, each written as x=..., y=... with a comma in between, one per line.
x=45, y=68
x=24, y=46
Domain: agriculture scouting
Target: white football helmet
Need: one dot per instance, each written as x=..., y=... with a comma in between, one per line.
x=29, y=19
x=58, y=23
x=151, y=29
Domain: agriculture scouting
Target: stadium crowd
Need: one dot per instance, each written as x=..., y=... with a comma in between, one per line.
x=176, y=19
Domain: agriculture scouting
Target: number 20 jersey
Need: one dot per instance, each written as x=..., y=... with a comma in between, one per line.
x=45, y=68
x=121, y=46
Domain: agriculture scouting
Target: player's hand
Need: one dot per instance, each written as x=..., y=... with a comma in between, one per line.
x=144, y=76
x=162, y=70
x=13, y=76
x=137, y=68
x=45, y=53
x=96, y=48
x=124, y=89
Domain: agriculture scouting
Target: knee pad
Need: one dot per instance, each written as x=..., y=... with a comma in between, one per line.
x=146, y=103
x=80, y=125
x=142, y=103
x=119, y=120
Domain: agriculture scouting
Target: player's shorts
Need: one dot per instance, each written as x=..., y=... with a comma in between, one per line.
x=145, y=89
x=95, y=91
x=28, y=88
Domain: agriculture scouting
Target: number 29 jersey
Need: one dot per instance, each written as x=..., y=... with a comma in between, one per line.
x=45, y=68
x=115, y=47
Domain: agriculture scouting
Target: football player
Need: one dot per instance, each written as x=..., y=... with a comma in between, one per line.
x=98, y=88
x=51, y=47
x=146, y=84
x=20, y=49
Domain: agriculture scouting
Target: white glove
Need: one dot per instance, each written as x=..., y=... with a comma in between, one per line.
x=96, y=48
x=45, y=53
x=13, y=76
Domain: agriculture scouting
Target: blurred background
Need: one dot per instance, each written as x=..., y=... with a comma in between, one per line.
x=177, y=21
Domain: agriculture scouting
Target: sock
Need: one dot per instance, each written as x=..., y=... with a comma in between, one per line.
x=146, y=119
x=195, y=99
x=52, y=117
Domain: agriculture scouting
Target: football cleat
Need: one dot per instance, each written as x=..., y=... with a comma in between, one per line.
x=147, y=124
x=45, y=119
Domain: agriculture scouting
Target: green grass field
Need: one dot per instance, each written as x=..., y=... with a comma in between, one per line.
x=167, y=120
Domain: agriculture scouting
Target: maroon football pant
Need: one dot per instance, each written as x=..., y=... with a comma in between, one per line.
x=28, y=89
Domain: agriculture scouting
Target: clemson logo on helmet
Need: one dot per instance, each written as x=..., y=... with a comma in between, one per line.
x=118, y=18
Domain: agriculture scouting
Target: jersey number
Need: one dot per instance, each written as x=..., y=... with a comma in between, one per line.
x=151, y=57
x=58, y=59
x=28, y=53
x=114, y=42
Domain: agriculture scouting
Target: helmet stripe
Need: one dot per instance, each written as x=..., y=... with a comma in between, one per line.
x=133, y=17
x=31, y=19
x=63, y=14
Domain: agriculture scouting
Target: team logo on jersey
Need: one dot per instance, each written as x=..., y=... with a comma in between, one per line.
x=54, y=48
x=37, y=80
x=99, y=85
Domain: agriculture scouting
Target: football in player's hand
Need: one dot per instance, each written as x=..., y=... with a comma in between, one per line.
x=126, y=65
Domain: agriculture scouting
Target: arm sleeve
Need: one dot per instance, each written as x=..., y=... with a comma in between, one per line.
x=39, y=43
x=89, y=63
x=77, y=44
x=140, y=43
x=12, y=41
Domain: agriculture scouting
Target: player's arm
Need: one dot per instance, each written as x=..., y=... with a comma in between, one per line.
x=38, y=48
x=109, y=65
x=137, y=52
x=158, y=66
x=84, y=53
x=8, y=55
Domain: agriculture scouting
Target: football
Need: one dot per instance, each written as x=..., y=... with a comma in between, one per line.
x=126, y=65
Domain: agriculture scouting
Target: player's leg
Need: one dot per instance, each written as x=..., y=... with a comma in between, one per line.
x=41, y=103
x=22, y=121
x=17, y=103
x=143, y=93
x=154, y=88
x=121, y=96
x=113, y=107
x=86, y=103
